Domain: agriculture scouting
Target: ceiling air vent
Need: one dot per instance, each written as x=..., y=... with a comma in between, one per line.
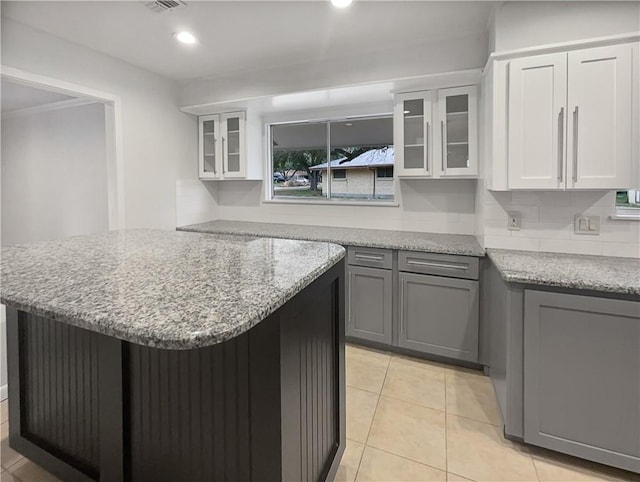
x=160, y=6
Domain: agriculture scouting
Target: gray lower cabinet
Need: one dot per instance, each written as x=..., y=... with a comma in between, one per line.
x=582, y=376
x=370, y=299
x=439, y=315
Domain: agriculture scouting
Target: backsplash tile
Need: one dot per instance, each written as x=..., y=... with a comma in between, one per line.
x=547, y=223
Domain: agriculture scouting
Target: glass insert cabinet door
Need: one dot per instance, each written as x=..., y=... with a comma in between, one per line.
x=209, y=148
x=458, y=131
x=233, y=148
x=413, y=138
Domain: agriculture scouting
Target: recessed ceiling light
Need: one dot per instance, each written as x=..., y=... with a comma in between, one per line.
x=341, y=3
x=349, y=124
x=185, y=37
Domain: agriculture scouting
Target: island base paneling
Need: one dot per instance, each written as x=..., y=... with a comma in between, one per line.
x=266, y=405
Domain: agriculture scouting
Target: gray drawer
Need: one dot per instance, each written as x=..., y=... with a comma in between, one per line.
x=438, y=264
x=370, y=257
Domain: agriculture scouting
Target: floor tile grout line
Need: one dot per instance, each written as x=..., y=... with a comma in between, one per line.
x=406, y=458
x=535, y=468
x=366, y=441
x=458, y=475
x=446, y=427
x=474, y=419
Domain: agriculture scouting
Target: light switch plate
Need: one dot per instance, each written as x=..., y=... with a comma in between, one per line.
x=589, y=225
x=514, y=221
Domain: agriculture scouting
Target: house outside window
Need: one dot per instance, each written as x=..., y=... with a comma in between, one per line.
x=333, y=160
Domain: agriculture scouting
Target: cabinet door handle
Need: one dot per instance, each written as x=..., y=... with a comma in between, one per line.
x=560, y=143
x=369, y=257
x=444, y=144
x=426, y=146
x=430, y=264
x=575, y=145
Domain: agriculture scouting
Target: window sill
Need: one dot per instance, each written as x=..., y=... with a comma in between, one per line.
x=377, y=204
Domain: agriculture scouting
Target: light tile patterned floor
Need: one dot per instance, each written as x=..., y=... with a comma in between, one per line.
x=411, y=420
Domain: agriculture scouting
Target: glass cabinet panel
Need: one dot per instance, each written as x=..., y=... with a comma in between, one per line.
x=456, y=135
x=414, y=142
x=233, y=144
x=209, y=146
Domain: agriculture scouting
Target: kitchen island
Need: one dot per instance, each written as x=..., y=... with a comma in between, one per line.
x=148, y=355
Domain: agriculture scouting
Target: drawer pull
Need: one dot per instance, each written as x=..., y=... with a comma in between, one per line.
x=369, y=257
x=436, y=265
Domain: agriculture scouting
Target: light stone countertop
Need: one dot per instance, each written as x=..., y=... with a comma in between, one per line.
x=165, y=289
x=458, y=244
x=597, y=273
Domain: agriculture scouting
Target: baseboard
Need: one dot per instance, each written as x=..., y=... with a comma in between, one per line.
x=4, y=392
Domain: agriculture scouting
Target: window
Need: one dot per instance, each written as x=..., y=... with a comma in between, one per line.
x=339, y=173
x=307, y=157
x=628, y=203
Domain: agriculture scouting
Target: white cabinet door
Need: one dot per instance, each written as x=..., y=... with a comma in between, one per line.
x=536, y=122
x=209, y=155
x=233, y=145
x=413, y=134
x=457, y=146
x=600, y=99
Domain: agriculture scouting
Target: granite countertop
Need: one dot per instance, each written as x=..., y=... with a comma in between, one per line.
x=368, y=238
x=598, y=273
x=165, y=289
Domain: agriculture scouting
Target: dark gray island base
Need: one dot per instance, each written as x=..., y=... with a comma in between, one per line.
x=264, y=405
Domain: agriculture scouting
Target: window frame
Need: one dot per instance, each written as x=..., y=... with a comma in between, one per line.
x=342, y=171
x=385, y=178
x=270, y=197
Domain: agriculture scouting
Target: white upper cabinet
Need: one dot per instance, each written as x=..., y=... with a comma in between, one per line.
x=536, y=129
x=600, y=99
x=458, y=122
x=222, y=146
x=413, y=134
x=570, y=118
x=435, y=133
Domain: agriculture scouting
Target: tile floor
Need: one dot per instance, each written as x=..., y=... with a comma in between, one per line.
x=414, y=420
x=411, y=420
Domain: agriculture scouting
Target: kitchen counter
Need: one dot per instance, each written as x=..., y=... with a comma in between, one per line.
x=584, y=272
x=164, y=289
x=368, y=238
x=151, y=355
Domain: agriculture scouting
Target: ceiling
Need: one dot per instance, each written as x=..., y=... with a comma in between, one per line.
x=15, y=96
x=239, y=36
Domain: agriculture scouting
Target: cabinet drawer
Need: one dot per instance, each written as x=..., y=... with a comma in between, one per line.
x=439, y=264
x=370, y=257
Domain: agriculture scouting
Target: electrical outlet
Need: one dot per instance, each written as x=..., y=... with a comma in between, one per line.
x=513, y=221
x=586, y=224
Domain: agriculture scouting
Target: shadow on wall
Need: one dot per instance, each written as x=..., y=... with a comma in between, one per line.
x=438, y=195
x=239, y=193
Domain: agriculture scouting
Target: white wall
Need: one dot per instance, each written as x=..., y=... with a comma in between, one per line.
x=527, y=24
x=160, y=142
x=54, y=174
x=443, y=206
x=461, y=53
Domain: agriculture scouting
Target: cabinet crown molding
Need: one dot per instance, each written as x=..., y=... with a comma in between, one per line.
x=628, y=37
